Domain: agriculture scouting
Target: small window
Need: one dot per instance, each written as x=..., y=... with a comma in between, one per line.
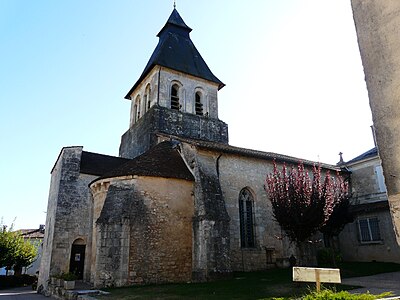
x=198, y=104
x=246, y=219
x=369, y=230
x=175, y=97
x=137, y=108
x=147, y=100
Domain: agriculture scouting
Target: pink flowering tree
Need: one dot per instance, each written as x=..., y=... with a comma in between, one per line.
x=302, y=204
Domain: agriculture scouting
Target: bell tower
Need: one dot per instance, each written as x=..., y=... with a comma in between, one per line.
x=176, y=95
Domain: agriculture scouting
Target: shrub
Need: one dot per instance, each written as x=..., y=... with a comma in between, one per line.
x=69, y=276
x=327, y=294
x=328, y=257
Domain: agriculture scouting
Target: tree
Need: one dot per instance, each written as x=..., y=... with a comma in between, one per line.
x=341, y=215
x=302, y=205
x=15, y=252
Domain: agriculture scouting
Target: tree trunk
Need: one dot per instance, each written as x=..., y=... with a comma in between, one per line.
x=17, y=270
x=306, y=254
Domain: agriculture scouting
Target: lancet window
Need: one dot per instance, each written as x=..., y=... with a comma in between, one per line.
x=246, y=215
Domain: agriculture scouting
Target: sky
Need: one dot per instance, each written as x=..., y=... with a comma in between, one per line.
x=293, y=74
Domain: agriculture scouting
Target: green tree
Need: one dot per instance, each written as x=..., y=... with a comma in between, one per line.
x=15, y=251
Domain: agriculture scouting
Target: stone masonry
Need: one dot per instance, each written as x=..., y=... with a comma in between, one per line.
x=169, y=209
x=377, y=25
x=143, y=135
x=144, y=231
x=69, y=212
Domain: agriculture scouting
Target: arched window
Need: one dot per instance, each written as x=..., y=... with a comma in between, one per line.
x=198, y=104
x=137, y=108
x=175, y=97
x=147, y=100
x=246, y=219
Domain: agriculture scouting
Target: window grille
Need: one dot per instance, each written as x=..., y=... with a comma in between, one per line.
x=369, y=230
x=175, y=97
x=246, y=200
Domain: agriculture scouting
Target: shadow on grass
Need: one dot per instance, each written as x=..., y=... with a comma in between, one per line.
x=253, y=285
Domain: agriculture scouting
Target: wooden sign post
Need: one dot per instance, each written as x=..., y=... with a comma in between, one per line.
x=316, y=275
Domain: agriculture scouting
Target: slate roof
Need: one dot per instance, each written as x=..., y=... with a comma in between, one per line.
x=175, y=50
x=372, y=206
x=252, y=153
x=163, y=160
x=99, y=164
x=369, y=154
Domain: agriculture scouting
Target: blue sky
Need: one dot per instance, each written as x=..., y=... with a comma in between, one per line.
x=293, y=75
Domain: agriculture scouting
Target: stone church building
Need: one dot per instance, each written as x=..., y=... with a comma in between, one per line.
x=179, y=203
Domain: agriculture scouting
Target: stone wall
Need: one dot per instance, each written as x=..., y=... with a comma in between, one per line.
x=234, y=172
x=211, y=256
x=386, y=250
x=161, y=79
x=44, y=271
x=366, y=191
x=144, y=230
x=151, y=81
x=74, y=215
x=68, y=216
x=377, y=23
x=188, y=87
x=364, y=181
x=161, y=231
x=142, y=136
x=111, y=216
x=99, y=193
x=365, y=185
x=238, y=172
x=112, y=254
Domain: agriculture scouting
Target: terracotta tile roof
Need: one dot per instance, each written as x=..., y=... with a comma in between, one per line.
x=32, y=233
x=163, y=160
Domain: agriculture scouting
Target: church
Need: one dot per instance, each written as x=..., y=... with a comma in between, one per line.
x=179, y=204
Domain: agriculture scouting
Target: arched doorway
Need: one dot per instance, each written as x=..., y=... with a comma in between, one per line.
x=77, y=260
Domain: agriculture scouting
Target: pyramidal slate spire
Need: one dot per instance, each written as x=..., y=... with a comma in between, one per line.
x=176, y=20
x=175, y=50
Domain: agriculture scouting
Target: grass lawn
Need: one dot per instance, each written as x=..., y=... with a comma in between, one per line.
x=253, y=285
